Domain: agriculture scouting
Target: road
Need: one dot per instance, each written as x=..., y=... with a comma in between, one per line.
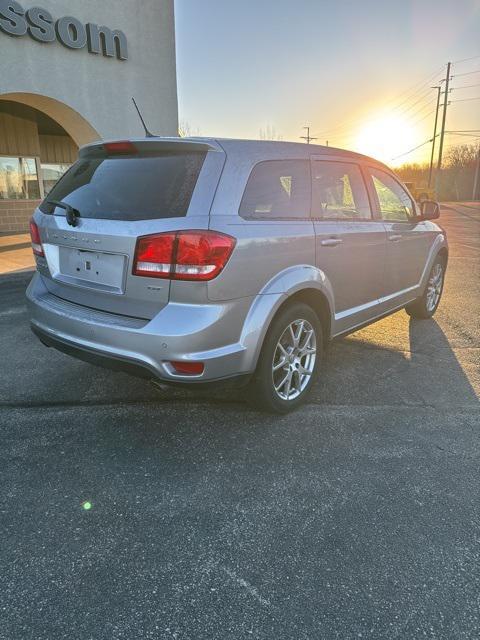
x=355, y=517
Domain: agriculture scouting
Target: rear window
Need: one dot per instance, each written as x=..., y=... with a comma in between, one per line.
x=129, y=188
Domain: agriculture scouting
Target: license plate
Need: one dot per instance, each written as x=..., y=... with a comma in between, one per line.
x=105, y=270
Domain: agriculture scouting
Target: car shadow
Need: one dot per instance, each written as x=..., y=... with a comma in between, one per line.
x=422, y=369
x=396, y=362
x=435, y=368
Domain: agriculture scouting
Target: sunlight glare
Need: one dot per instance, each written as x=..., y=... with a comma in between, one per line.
x=385, y=138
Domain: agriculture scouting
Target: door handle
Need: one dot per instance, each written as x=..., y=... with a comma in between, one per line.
x=395, y=237
x=331, y=242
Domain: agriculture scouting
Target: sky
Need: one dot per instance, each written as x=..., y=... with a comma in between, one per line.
x=358, y=72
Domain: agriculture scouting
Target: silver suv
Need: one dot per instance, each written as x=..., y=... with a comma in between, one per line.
x=198, y=260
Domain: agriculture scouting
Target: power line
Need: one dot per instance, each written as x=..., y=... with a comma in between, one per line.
x=414, y=105
x=466, y=135
x=421, y=96
x=458, y=145
x=348, y=132
x=403, y=111
x=468, y=73
x=414, y=90
x=465, y=60
x=466, y=86
x=417, y=111
x=473, y=136
x=396, y=111
x=338, y=131
x=344, y=140
x=466, y=99
x=422, y=118
x=412, y=150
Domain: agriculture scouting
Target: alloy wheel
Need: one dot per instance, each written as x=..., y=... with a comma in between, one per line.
x=294, y=359
x=434, y=287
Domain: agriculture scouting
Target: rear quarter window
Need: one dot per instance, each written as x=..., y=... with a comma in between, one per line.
x=129, y=188
x=277, y=189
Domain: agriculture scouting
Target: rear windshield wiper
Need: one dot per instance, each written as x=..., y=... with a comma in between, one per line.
x=71, y=213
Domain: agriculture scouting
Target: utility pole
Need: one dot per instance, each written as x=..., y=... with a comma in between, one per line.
x=439, y=90
x=442, y=131
x=308, y=137
x=477, y=175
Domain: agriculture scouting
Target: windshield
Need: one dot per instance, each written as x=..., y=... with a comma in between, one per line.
x=129, y=188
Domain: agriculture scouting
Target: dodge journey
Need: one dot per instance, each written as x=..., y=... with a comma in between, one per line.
x=190, y=261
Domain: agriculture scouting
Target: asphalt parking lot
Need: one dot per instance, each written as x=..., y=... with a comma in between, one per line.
x=358, y=516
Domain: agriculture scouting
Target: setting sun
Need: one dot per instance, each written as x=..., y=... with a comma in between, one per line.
x=386, y=138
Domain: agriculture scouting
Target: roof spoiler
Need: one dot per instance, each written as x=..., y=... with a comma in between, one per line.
x=147, y=146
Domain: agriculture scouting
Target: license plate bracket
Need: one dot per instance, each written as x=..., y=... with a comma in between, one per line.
x=94, y=269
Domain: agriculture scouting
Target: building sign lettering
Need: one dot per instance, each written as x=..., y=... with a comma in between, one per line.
x=40, y=25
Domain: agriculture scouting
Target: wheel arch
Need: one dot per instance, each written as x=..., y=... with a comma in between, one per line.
x=315, y=299
x=301, y=283
x=443, y=253
x=439, y=248
x=266, y=309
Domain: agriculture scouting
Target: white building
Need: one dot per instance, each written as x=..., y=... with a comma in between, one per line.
x=68, y=72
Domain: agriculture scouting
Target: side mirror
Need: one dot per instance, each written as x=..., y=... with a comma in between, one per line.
x=430, y=210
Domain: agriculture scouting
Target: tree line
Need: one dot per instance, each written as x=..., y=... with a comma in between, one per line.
x=457, y=176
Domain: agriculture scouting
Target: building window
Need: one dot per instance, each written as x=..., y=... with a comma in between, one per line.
x=51, y=174
x=19, y=179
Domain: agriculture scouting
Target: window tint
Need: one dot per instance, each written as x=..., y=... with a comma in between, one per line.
x=339, y=191
x=395, y=204
x=139, y=188
x=278, y=189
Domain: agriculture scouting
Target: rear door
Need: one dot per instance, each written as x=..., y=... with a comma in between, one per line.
x=350, y=241
x=120, y=194
x=269, y=217
x=408, y=240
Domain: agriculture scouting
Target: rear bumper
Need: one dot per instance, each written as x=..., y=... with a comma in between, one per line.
x=206, y=333
x=132, y=367
x=95, y=357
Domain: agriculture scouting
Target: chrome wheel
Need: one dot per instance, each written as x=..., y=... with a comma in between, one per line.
x=434, y=287
x=294, y=359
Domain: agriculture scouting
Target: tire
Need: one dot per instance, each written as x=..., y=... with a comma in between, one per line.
x=298, y=325
x=424, y=307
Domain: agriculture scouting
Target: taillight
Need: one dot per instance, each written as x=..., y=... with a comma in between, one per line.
x=201, y=255
x=154, y=255
x=183, y=255
x=36, y=242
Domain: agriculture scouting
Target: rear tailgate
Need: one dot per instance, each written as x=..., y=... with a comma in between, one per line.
x=156, y=186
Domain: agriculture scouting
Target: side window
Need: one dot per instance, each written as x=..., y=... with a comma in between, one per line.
x=339, y=191
x=277, y=189
x=395, y=204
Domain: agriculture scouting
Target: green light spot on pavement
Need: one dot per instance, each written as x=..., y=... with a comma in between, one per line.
x=87, y=505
